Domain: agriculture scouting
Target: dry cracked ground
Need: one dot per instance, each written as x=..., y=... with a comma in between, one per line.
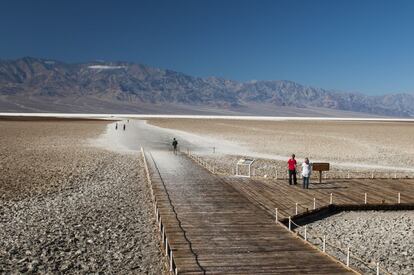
x=68, y=207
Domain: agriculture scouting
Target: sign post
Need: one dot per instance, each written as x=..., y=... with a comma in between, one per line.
x=320, y=166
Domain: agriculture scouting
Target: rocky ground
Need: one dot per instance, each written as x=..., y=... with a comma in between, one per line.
x=373, y=236
x=68, y=207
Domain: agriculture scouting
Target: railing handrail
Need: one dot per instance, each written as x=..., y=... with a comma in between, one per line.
x=323, y=239
x=335, y=174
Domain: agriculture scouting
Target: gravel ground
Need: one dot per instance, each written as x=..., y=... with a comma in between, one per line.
x=68, y=207
x=384, y=236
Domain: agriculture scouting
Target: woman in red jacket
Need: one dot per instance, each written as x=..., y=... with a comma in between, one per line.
x=292, y=170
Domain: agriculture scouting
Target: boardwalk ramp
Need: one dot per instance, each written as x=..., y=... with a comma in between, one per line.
x=214, y=229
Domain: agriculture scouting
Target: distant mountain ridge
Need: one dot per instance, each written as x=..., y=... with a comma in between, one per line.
x=41, y=85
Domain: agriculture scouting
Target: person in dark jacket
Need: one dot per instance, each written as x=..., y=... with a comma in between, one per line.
x=175, y=145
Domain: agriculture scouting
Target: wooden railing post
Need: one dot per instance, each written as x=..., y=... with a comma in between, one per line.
x=324, y=243
x=166, y=246
x=171, y=260
x=290, y=224
x=276, y=214
x=347, y=256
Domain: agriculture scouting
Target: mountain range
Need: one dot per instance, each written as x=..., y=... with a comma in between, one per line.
x=42, y=85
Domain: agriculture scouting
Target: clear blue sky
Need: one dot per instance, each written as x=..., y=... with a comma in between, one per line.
x=363, y=46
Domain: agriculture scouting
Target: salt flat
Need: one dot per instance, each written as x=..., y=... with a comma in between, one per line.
x=358, y=144
x=60, y=174
x=387, y=237
x=255, y=118
x=69, y=207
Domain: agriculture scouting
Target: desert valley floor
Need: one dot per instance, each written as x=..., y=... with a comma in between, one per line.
x=75, y=196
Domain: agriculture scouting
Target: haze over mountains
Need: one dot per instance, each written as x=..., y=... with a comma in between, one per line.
x=40, y=85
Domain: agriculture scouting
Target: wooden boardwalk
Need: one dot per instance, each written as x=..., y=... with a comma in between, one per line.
x=271, y=194
x=212, y=228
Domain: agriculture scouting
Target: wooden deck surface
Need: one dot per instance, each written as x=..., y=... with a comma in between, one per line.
x=213, y=228
x=271, y=194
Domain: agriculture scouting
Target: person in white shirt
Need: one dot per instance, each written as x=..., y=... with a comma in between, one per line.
x=306, y=173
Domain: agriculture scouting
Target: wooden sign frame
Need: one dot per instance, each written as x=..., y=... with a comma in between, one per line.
x=320, y=166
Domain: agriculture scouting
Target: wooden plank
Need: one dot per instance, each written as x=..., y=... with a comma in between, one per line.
x=212, y=227
x=271, y=194
x=320, y=166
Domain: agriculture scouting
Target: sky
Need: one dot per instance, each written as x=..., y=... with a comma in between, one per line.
x=348, y=45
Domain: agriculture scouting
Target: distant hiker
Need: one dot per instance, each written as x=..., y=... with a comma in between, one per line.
x=306, y=173
x=116, y=126
x=124, y=127
x=128, y=120
x=175, y=144
x=292, y=170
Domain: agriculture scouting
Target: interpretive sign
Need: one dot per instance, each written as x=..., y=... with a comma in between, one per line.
x=320, y=166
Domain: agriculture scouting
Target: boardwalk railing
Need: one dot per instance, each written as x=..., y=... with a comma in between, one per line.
x=314, y=204
x=211, y=167
x=346, y=254
x=332, y=247
x=161, y=227
x=271, y=171
x=336, y=250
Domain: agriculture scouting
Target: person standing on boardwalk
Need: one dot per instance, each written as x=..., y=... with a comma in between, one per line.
x=116, y=126
x=124, y=127
x=292, y=170
x=175, y=144
x=306, y=172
